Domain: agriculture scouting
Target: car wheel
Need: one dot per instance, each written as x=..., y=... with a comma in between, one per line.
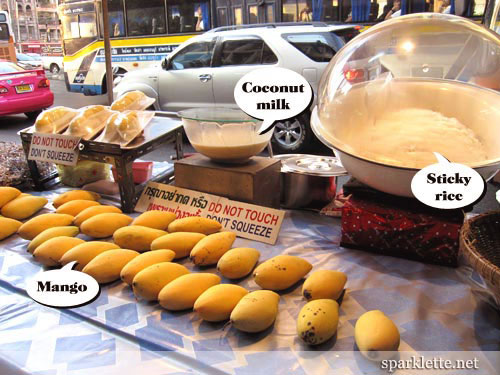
x=292, y=135
x=54, y=69
x=32, y=115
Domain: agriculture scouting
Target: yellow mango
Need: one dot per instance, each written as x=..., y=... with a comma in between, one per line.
x=73, y=208
x=181, y=243
x=144, y=260
x=182, y=293
x=256, y=311
x=47, y=234
x=324, y=284
x=377, y=337
x=281, y=272
x=8, y=227
x=38, y=224
x=195, y=224
x=104, y=225
x=23, y=207
x=155, y=219
x=106, y=267
x=51, y=251
x=238, y=262
x=8, y=194
x=136, y=237
x=148, y=283
x=211, y=248
x=217, y=302
x=85, y=252
x=74, y=195
x=318, y=321
x=93, y=211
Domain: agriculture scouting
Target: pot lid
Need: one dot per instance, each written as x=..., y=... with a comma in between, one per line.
x=314, y=165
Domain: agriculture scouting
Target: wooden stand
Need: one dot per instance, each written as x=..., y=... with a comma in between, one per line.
x=256, y=182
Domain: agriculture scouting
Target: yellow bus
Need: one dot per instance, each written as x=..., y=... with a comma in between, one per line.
x=7, y=48
x=142, y=34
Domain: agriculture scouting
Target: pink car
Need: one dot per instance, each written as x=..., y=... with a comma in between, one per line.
x=23, y=91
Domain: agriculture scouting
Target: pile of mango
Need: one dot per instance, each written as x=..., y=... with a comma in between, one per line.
x=142, y=255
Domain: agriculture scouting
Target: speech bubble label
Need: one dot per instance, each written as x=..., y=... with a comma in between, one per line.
x=447, y=185
x=272, y=94
x=63, y=287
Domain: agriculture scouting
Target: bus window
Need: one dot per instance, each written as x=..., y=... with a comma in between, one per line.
x=4, y=31
x=270, y=13
x=222, y=17
x=253, y=16
x=116, y=18
x=145, y=18
x=478, y=7
x=79, y=30
x=188, y=16
x=238, y=16
x=289, y=11
x=330, y=10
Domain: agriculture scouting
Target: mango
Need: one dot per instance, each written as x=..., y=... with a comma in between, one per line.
x=74, y=195
x=142, y=261
x=8, y=227
x=256, y=311
x=85, y=252
x=211, y=248
x=93, y=211
x=38, y=224
x=375, y=334
x=318, y=321
x=51, y=251
x=155, y=219
x=23, y=207
x=195, y=224
x=238, y=262
x=106, y=267
x=148, y=283
x=217, y=302
x=136, y=237
x=182, y=293
x=104, y=225
x=181, y=243
x=324, y=284
x=73, y=208
x=8, y=194
x=47, y=234
x=281, y=272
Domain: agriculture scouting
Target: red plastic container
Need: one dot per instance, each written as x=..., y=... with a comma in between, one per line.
x=141, y=171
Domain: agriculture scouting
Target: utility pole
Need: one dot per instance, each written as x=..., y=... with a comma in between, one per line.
x=107, y=51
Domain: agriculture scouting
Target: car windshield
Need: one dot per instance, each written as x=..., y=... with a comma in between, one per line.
x=7, y=67
x=23, y=57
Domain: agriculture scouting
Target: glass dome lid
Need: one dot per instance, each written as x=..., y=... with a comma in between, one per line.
x=413, y=85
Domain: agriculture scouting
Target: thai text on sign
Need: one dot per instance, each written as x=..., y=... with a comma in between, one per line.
x=55, y=148
x=246, y=220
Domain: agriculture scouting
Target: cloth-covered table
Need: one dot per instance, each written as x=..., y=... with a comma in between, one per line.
x=439, y=311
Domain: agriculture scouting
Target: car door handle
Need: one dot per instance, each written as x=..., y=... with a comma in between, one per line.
x=205, y=77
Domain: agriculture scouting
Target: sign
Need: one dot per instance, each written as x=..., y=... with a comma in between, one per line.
x=246, y=220
x=55, y=148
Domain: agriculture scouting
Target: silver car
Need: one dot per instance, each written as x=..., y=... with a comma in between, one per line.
x=203, y=71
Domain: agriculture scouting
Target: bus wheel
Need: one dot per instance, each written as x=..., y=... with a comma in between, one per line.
x=54, y=68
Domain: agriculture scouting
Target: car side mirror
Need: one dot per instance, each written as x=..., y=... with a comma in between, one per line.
x=115, y=69
x=165, y=63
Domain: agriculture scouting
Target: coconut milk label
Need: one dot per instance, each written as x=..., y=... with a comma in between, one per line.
x=246, y=220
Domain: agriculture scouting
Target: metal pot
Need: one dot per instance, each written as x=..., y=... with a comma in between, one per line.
x=308, y=180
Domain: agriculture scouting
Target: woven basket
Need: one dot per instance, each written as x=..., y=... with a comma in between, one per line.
x=480, y=246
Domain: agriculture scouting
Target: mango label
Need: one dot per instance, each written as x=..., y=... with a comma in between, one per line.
x=55, y=148
x=246, y=220
x=63, y=288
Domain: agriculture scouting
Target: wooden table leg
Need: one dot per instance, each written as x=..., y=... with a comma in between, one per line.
x=126, y=184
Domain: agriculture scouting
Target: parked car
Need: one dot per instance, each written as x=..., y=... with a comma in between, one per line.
x=54, y=64
x=203, y=71
x=23, y=91
x=28, y=62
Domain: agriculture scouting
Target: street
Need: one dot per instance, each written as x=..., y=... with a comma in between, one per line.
x=10, y=125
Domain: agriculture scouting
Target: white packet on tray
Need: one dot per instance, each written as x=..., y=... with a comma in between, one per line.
x=89, y=122
x=132, y=100
x=123, y=127
x=54, y=120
